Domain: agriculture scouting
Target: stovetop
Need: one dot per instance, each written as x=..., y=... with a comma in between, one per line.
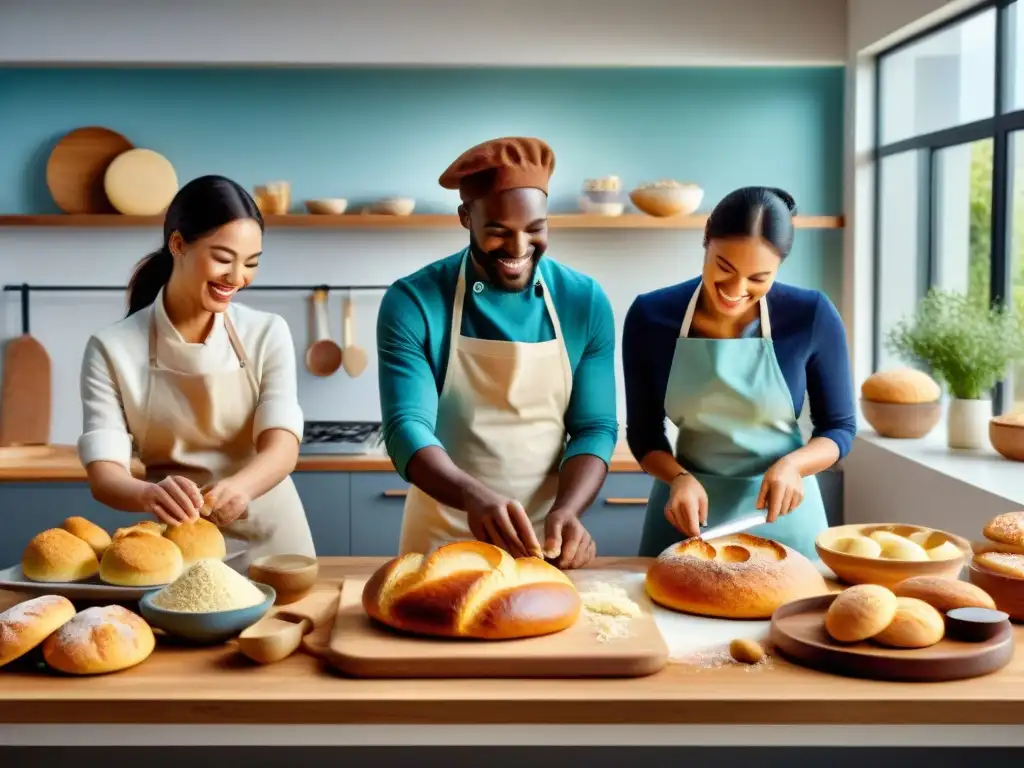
x=340, y=437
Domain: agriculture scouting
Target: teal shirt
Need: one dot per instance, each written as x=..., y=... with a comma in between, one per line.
x=414, y=335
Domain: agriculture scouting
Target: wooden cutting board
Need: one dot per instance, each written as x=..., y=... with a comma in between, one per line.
x=363, y=648
x=76, y=167
x=25, y=393
x=798, y=633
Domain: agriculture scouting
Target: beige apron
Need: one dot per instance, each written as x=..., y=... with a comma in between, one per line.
x=501, y=418
x=200, y=426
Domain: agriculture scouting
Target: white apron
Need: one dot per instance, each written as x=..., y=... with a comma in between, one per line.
x=199, y=426
x=501, y=418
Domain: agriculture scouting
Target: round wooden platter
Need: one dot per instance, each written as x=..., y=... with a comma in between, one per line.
x=798, y=634
x=77, y=164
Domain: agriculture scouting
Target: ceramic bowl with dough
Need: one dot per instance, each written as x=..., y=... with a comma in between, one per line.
x=140, y=182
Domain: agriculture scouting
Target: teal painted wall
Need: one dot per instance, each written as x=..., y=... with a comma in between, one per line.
x=366, y=133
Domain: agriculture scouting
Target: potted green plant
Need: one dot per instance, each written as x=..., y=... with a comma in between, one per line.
x=968, y=346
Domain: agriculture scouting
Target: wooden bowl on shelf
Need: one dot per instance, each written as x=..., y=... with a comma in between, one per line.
x=328, y=206
x=1006, y=433
x=902, y=420
x=856, y=569
x=1006, y=591
x=666, y=199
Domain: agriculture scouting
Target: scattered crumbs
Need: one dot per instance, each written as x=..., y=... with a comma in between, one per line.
x=609, y=610
x=717, y=658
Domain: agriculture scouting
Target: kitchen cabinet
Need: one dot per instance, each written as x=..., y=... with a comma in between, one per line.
x=377, y=502
x=326, y=498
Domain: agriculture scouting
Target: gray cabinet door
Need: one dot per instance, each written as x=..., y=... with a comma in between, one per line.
x=325, y=497
x=377, y=502
x=615, y=519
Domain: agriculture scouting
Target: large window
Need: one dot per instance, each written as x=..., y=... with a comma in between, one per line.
x=950, y=160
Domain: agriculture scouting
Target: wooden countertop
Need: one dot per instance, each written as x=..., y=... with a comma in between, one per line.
x=60, y=463
x=180, y=685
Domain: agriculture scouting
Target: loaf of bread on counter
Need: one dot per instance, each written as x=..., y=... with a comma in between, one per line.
x=99, y=640
x=88, y=532
x=900, y=386
x=471, y=590
x=734, y=577
x=140, y=559
x=197, y=541
x=54, y=555
x=26, y=625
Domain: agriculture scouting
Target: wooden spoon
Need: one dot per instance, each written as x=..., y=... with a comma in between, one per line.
x=323, y=355
x=354, y=360
x=278, y=635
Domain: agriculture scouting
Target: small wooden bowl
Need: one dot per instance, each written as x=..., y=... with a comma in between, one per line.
x=667, y=201
x=1006, y=591
x=291, y=576
x=329, y=206
x=902, y=420
x=854, y=569
x=1007, y=437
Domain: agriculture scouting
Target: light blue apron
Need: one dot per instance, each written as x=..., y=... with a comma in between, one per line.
x=735, y=417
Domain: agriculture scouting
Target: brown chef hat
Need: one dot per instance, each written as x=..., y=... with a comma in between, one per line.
x=500, y=164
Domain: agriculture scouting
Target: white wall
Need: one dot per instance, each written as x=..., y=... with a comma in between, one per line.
x=429, y=32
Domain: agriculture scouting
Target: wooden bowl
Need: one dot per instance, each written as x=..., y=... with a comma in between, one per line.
x=1006, y=591
x=394, y=206
x=854, y=569
x=902, y=420
x=667, y=201
x=291, y=576
x=328, y=206
x=1006, y=433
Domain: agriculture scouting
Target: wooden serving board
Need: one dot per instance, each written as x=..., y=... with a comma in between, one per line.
x=76, y=166
x=798, y=633
x=364, y=648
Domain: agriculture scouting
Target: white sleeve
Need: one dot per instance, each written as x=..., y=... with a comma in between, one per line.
x=105, y=435
x=278, y=406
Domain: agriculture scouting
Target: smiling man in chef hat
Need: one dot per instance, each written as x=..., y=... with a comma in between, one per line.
x=497, y=373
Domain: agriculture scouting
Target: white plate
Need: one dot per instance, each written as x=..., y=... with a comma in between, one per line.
x=93, y=589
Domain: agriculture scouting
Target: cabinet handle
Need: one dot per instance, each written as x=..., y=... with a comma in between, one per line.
x=398, y=494
x=626, y=502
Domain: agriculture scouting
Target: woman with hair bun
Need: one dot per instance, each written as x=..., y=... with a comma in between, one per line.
x=728, y=357
x=202, y=388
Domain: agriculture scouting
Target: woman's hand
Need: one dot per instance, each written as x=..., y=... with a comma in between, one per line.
x=782, y=490
x=227, y=501
x=687, y=507
x=174, y=500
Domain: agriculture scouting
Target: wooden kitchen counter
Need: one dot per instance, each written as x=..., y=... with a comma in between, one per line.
x=219, y=686
x=60, y=463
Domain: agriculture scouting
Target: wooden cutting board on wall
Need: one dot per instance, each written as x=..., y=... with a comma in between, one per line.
x=26, y=400
x=76, y=167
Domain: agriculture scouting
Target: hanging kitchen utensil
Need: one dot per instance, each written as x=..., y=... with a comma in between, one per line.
x=354, y=357
x=323, y=355
x=76, y=167
x=25, y=398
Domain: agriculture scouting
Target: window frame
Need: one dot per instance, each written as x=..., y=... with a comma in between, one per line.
x=999, y=128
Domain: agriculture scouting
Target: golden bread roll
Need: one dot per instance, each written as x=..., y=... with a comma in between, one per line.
x=1002, y=563
x=150, y=527
x=88, y=532
x=859, y=613
x=99, y=640
x=947, y=550
x=1007, y=528
x=944, y=594
x=27, y=624
x=901, y=386
x=474, y=590
x=197, y=541
x=58, y=556
x=733, y=577
x=915, y=625
x=141, y=560
x=899, y=548
x=884, y=537
x=858, y=546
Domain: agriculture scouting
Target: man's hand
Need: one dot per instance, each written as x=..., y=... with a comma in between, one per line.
x=501, y=521
x=567, y=544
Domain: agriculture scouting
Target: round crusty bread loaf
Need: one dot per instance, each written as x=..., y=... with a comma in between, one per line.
x=99, y=640
x=141, y=560
x=88, y=532
x=27, y=624
x=1007, y=528
x=197, y=541
x=152, y=527
x=902, y=386
x=733, y=577
x=54, y=555
x=944, y=594
x=471, y=589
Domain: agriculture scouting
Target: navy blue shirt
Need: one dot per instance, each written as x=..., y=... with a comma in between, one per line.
x=810, y=344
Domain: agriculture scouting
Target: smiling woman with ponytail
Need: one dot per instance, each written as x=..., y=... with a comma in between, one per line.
x=201, y=387
x=727, y=357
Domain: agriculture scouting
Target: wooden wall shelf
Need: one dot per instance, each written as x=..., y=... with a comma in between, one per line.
x=416, y=221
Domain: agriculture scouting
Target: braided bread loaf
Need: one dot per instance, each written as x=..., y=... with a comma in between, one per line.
x=473, y=590
x=734, y=577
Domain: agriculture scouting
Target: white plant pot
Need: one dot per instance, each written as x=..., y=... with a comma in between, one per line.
x=967, y=423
